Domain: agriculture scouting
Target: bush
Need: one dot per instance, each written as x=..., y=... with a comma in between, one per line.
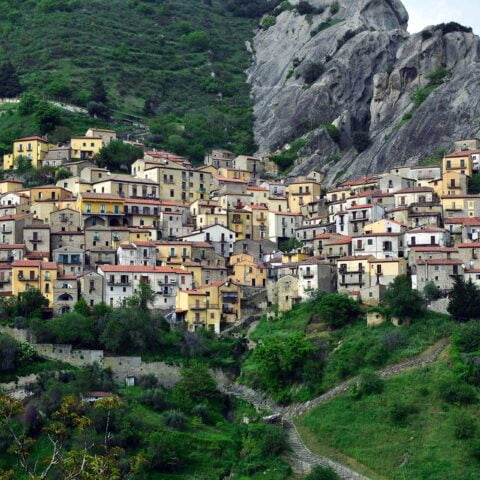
x=304, y=8
x=399, y=411
x=404, y=302
x=322, y=473
x=154, y=398
x=175, y=420
x=268, y=21
x=369, y=384
x=312, y=72
x=455, y=391
x=334, y=8
x=332, y=131
x=196, y=41
x=475, y=449
x=147, y=381
x=394, y=340
x=464, y=426
x=337, y=309
x=467, y=337
x=201, y=411
x=166, y=452
x=361, y=140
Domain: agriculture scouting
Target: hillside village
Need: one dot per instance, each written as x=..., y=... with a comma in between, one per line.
x=204, y=238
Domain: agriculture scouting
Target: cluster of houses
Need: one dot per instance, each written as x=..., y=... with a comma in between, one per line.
x=206, y=238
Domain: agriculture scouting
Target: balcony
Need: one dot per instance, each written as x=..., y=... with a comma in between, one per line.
x=169, y=182
x=7, y=230
x=22, y=278
x=307, y=275
x=364, y=219
x=349, y=283
x=120, y=283
x=198, y=307
x=228, y=310
x=4, y=281
x=35, y=240
x=344, y=271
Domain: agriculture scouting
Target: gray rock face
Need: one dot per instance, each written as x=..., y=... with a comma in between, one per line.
x=370, y=67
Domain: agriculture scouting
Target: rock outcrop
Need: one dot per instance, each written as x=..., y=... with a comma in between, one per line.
x=358, y=68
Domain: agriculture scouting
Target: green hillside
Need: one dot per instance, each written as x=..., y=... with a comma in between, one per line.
x=185, y=59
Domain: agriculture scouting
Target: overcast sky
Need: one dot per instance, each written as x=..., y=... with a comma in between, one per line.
x=432, y=12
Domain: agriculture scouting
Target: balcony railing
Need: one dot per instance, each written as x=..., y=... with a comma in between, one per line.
x=3, y=281
x=35, y=240
x=307, y=275
x=22, y=278
x=7, y=230
x=120, y=283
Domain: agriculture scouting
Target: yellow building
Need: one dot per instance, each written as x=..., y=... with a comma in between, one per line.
x=259, y=221
x=85, y=148
x=301, y=193
x=140, y=234
x=277, y=204
x=35, y=148
x=48, y=193
x=209, y=306
x=27, y=274
x=246, y=271
x=384, y=271
x=234, y=173
x=240, y=221
x=458, y=161
x=10, y=186
x=99, y=203
x=173, y=251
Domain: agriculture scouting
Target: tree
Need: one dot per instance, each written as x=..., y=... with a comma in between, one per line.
x=432, y=292
x=118, y=156
x=196, y=41
x=82, y=463
x=312, y=72
x=279, y=361
x=62, y=173
x=98, y=109
x=337, y=309
x=404, y=302
x=9, y=82
x=30, y=303
x=28, y=104
x=60, y=135
x=290, y=245
x=143, y=296
x=196, y=385
x=99, y=92
x=464, y=301
x=81, y=307
x=23, y=164
x=9, y=350
x=361, y=140
x=48, y=117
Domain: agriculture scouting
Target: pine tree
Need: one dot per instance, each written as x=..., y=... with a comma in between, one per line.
x=99, y=92
x=9, y=82
x=464, y=300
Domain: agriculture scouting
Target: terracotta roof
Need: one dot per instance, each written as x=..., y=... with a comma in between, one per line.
x=257, y=207
x=414, y=190
x=360, y=181
x=464, y=153
x=464, y=220
x=99, y=196
x=35, y=263
x=354, y=257
x=427, y=230
x=446, y=261
x=469, y=245
x=35, y=137
x=434, y=249
x=359, y=207
x=257, y=189
x=228, y=180
x=382, y=234
x=194, y=292
x=472, y=270
x=140, y=269
x=13, y=217
x=11, y=246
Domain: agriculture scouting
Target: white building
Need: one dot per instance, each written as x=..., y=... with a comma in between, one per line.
x=222, y=238
x=137, y=253
x=282, y=225
x=122, y=281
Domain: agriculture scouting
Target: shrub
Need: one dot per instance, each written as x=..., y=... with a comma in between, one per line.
x=369, y=384
x=337, y=309
x=404, y=302
x=322, y=473
x=464, y=426
x=196, y=41
x=361, y=140
x=166, y=452
x=394, y=339
x=475, y=449
x=154, y=398
x=399, y=411
x=332, y=131
x=312, y=72
x=175, y=420
x=268, y=21
x=201, y=411
x=304, y=8
x=432, y=291
x=334, y=8
x=147, y=381
x=455, y=391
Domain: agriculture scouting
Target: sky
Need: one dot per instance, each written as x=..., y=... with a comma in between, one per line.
x=432, y=12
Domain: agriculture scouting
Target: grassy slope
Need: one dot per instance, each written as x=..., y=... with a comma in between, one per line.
x=362, y=429
x=135, y=47
x=351, y=347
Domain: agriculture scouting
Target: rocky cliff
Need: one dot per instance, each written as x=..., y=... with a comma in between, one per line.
x=393, y=97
